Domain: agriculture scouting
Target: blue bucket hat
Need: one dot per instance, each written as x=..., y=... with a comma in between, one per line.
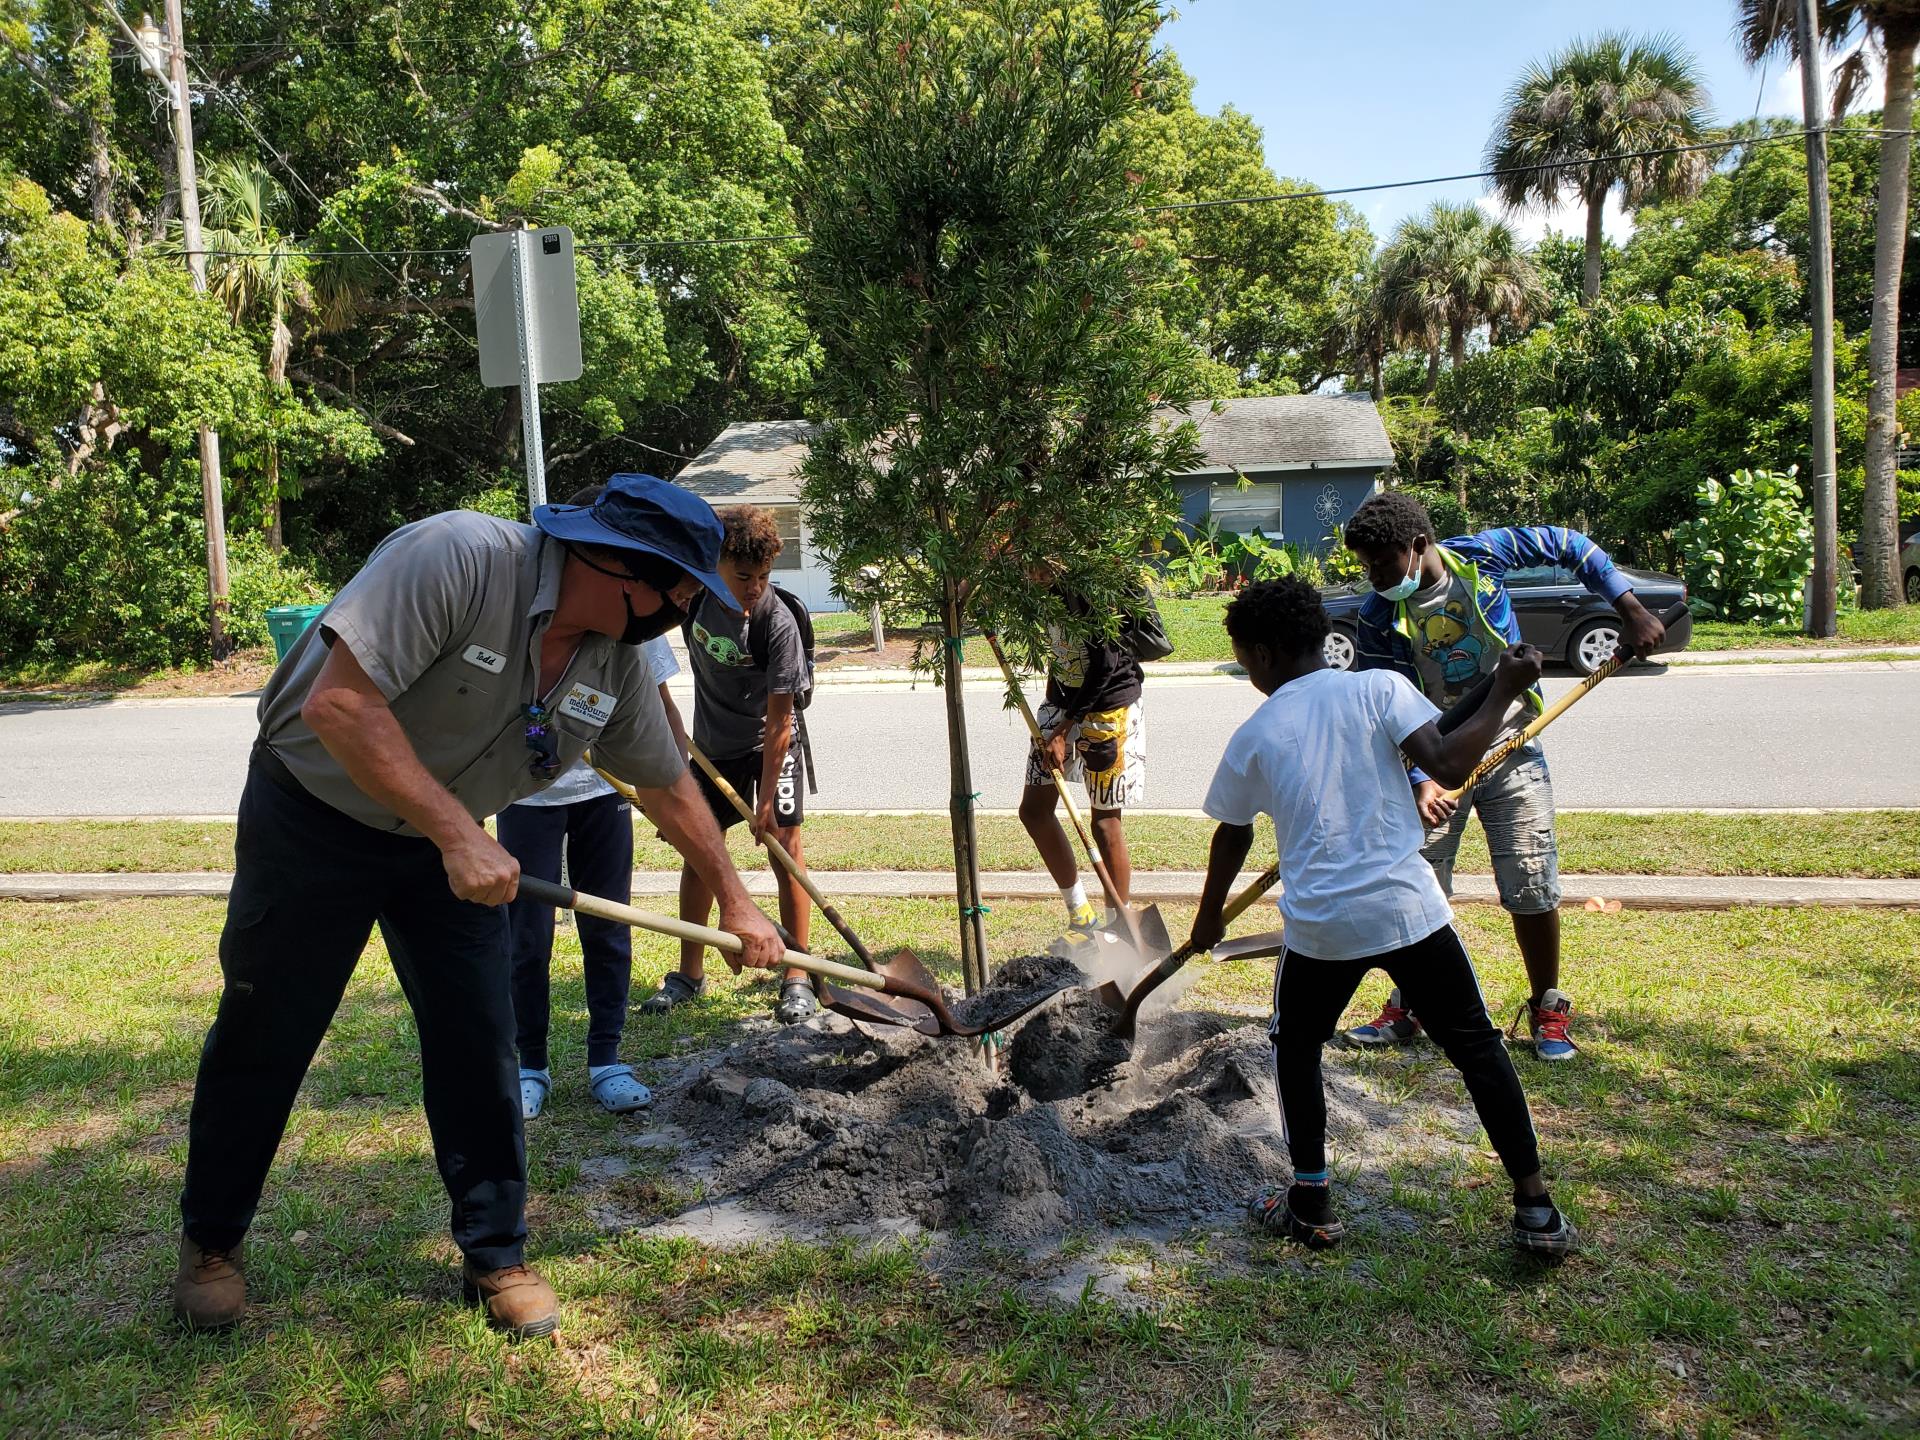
x=648, y=514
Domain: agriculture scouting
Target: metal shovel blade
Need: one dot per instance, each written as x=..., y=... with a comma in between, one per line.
x=878, y=1010
x=1252, y=947
x=1153, y=933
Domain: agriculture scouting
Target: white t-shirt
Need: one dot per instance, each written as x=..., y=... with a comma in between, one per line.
x=1322, y=757
x=579, y=782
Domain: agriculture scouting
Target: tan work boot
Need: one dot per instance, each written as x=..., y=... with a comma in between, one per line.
x=518, y=1301
x=210, y=1288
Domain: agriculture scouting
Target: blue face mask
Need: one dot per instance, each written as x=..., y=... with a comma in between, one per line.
x=1409, y=582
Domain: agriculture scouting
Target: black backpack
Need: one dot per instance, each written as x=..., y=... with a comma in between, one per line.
x=797, y=608
x=1140, y=628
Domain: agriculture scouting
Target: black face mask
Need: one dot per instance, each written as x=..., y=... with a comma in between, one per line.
x=658, y=575
x=642, y=628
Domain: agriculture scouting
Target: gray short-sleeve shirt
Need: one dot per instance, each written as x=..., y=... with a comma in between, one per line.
x=446, y=618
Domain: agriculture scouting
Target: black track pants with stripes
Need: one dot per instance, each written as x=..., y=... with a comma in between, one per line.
x=1437, y=983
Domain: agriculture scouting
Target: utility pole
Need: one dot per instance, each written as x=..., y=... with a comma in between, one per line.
x=1826, y=558
x=165, y=58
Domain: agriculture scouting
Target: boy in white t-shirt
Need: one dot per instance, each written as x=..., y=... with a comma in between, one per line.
x=1323, y=757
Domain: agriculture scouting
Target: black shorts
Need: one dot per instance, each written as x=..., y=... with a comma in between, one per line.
x=742, y=772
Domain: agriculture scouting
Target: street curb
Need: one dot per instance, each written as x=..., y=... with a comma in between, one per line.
x=1639, y=892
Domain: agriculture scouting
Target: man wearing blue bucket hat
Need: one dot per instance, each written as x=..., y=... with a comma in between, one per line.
x=469, y=663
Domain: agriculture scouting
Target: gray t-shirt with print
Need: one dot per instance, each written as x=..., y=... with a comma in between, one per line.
x=729, y=690
x=1452, y=650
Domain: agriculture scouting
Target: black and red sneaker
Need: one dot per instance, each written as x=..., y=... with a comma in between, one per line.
x=1303, y=1213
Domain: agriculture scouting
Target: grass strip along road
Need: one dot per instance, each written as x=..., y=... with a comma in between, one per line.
x=1868, y=844
x=1737, y=1142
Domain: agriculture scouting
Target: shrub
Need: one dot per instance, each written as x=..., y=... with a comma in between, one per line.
x=1749, y=551
x=258, y=579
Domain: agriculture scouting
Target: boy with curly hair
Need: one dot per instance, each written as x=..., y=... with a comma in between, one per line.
x=748, y=669
x=1322, y=758
x=1439, y=615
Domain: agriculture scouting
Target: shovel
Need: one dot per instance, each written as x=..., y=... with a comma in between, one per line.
x=1469, y=702
x=1129, y=1003
x=938, y=1019
x=902, y=962
x=855, y=1004
x=1147, y=931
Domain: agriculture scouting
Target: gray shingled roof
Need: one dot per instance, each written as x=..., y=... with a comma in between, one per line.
x=1267, y=430
x=758, y=461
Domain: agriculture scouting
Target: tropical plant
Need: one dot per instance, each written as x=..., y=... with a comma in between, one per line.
x=1749, y=551
x=1197, y=564
x=1584, y=121
x=1448, y=271
x=253, y=268
x=1859, y=29
x=988, y=309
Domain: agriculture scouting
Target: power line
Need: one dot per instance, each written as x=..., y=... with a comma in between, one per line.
x=1312, y=193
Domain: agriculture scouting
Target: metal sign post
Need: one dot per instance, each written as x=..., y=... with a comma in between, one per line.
x=527, y=308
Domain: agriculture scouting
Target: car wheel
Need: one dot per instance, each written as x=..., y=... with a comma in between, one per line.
x=1593, y=645
x=1340, y=650
x=1913, y=587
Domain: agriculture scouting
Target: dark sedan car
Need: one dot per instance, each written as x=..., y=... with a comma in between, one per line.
x=1556, y=612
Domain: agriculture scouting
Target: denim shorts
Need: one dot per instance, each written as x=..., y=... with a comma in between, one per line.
x=1515, y=806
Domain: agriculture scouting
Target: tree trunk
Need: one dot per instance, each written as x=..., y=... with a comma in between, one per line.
x=1457, y=343
x=1433, y=369
x=1879, y=510
x=966, y=840
x=100, y=183
x=1379, y=381
x=1596, y=239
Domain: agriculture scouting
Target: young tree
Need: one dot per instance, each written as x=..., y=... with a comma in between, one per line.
x=1856, y=27
x=1582, y=121
x=987, y=306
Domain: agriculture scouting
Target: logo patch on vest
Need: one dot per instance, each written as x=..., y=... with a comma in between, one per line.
x=595, y=707
x=491, y=661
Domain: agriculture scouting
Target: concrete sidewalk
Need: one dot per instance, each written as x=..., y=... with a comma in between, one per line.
x=1641, y=892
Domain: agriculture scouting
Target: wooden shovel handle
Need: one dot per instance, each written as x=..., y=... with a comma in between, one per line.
x=568, y=898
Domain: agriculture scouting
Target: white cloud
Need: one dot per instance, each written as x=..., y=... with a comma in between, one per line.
x=1783, y=91
x=1569, y=217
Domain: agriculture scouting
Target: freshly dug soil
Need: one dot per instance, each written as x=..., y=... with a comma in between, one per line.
x=826, y=1122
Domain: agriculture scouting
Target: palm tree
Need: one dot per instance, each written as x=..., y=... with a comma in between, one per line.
x=1583, y=121
x=1448, y=271
x=261, y=270
x=1858, y=27
x=1357, y=340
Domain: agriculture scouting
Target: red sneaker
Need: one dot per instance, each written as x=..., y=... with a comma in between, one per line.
x=1394, y=1025
x=1547, y=1026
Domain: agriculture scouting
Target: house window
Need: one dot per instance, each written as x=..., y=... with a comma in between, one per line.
x=787, y=518
x=1241, y=508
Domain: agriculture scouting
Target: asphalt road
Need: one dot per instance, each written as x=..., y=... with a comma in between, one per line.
x=1758, y=736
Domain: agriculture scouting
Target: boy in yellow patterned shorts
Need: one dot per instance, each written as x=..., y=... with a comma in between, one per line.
x=1096, y=735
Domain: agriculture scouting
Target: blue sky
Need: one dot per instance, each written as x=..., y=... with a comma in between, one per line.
x=1353, y=94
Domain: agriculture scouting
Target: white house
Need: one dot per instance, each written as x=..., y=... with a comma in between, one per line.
x=757, y=462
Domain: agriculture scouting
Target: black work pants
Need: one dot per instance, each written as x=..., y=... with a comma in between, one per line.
x=309, y=884
x=598, y=836
x=1436, y=983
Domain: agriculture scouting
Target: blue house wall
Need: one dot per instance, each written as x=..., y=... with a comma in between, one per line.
x=1312, y=502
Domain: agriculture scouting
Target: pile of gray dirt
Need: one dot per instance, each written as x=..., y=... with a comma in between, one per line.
x=828, y=1122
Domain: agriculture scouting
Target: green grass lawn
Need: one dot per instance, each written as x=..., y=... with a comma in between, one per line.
x=1737, y=1142
x=1855, y=627
x=1877, y=844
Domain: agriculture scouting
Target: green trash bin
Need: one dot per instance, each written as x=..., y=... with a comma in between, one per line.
x=287, y=623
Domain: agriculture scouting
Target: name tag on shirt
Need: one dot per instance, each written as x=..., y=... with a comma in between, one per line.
x=595, y=707
x=490, y=661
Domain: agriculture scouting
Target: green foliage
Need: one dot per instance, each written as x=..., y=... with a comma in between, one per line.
x=989, y=310
x=258, y=579
x=1196, y=564
x=1750, y=549
x=1253, y=557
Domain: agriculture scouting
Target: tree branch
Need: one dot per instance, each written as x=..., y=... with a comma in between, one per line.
x=435, y=198
x=334, y=392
